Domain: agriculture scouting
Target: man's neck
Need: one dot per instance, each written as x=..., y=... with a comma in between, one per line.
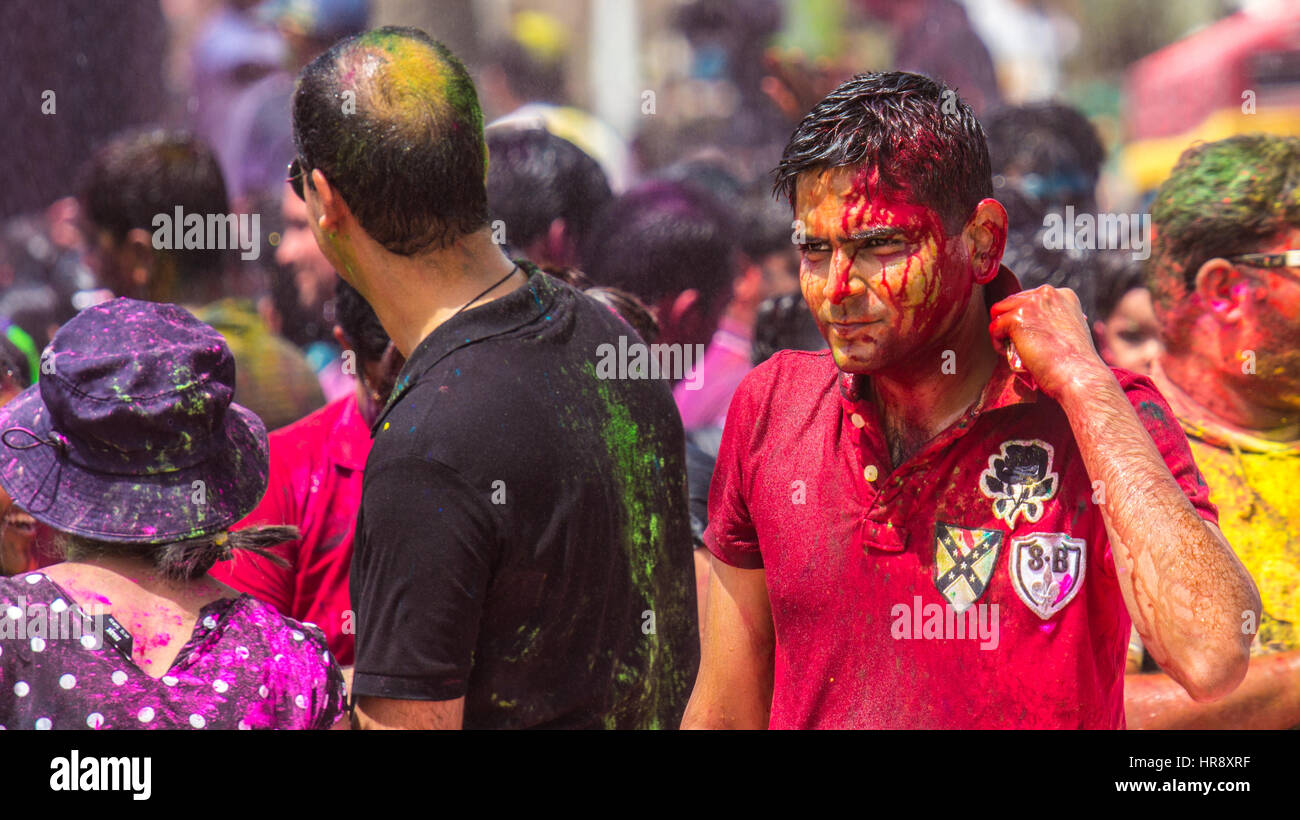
x=919, y=400
x=1194, y=387
x=414, y=295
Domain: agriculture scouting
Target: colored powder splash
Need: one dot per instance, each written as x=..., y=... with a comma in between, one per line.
x=1258, y=496
x=413, y=87
x=636, y=469
x=1222, y=197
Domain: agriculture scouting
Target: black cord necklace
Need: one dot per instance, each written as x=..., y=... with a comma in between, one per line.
x=498, y=284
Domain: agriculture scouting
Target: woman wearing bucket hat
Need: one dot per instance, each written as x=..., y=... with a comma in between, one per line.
x=129, y=447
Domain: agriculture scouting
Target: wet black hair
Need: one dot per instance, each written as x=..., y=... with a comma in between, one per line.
x=922, y=139
x=535, y=177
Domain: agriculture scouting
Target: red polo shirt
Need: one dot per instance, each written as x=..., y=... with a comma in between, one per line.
x=317, y=465
x=868, y=567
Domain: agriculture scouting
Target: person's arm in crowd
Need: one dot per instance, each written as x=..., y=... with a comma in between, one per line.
x=386, y=713
x=1185, y=589
x=734, y=687
x=1269, y=698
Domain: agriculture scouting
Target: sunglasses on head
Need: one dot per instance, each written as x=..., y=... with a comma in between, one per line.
x=296, y=176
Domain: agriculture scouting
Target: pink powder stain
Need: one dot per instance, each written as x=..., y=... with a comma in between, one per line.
x=1067, y=584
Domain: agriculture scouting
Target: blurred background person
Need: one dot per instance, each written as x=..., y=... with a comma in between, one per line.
x=1126, y=330
x=17, y=528
x=140, y=175
x=1047, y=157
x=308, y=299
x=258, y=128
x=545, y=191
x=523, y=84
x=232, y=52
x=674, y=248
x=767, y=265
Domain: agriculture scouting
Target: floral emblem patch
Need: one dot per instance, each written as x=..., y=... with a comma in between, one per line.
x=1020, y=480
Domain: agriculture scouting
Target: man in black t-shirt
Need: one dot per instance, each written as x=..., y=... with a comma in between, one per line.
x=523, y=549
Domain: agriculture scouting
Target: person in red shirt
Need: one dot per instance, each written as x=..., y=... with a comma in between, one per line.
x=317, y=465
x=946, y=520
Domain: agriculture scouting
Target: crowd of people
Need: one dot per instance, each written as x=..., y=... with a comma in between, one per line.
x=506, y=430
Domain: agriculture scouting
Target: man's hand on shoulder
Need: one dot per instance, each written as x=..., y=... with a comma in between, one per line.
x=1051, y=338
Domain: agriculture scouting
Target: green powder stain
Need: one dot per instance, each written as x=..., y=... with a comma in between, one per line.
x=1237, y=191
x=347, y=255
x=637, y=471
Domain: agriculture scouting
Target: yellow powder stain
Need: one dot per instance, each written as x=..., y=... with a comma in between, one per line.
x=1258, y=495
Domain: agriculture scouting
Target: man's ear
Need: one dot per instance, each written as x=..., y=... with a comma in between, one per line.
x=986, y=238
x=342, y=338
x=135, y=258
x=1222, y=290
x=681, y=307
x=559, y=247
x=334, y=211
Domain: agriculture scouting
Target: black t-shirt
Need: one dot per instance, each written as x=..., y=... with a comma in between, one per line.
x=524, y=538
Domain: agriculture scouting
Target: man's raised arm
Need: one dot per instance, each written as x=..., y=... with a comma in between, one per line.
x=1184, y=587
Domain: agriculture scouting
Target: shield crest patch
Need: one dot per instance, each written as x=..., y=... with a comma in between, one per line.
x=1020, y=480
x=964, y=560
x=1047, y=570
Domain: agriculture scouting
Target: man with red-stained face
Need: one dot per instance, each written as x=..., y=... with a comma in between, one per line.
x=944, y=521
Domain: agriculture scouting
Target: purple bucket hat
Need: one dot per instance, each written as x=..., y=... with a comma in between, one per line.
x=130, y=434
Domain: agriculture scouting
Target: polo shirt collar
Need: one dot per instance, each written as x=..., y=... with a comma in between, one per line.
x=537, y=298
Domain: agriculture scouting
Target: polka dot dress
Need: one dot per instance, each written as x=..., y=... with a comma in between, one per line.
x=244, y=667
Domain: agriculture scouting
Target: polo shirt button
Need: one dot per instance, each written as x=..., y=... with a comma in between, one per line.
x=869, y=472
x=859, y=422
